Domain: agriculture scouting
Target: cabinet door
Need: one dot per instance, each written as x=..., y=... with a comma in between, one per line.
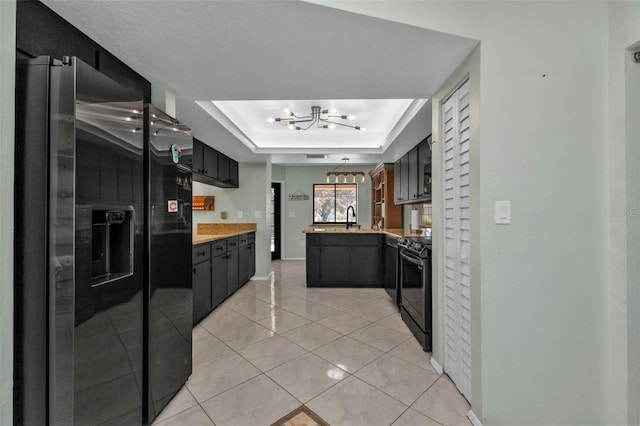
x=404, y=178
x=201, y=290
x=210, y=162
x=365, y=266
x=198, y=156
x=253, y=260
x=334, y=264
x=313, y=264
x=397, y=189
x=413, y=174
x=244, y=270
x=233, y=173
x=219, y=279
x=223, y=167
x=232, y=271
x=424, y=170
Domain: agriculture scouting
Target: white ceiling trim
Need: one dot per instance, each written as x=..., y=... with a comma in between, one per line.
x=406, y=118
x=215, y=112
x=350, y=146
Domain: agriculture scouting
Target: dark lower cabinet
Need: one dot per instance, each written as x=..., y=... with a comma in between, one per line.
x=219, y=279
x=201, y=290
x=233, y=278
x=334, y=262
x=345, y=260
x=245, y=271
x=219, y=269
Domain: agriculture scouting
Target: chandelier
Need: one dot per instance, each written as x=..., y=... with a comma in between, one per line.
x=345, y=174
x=321, y=118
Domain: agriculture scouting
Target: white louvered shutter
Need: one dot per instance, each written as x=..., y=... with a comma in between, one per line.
x=457, y=306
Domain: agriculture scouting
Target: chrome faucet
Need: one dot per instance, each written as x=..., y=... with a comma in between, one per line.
x=354, y=215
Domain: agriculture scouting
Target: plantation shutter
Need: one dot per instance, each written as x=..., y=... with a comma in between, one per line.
x=457, y=306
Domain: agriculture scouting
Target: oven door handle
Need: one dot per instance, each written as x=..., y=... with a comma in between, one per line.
x=416, y=261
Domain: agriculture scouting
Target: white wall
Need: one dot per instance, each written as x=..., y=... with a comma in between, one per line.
x=253, y=196
x=303, y=178
x=542, y=282
x=7, y=108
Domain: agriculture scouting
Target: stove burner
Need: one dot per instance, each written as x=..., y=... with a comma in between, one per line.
x=417, y=245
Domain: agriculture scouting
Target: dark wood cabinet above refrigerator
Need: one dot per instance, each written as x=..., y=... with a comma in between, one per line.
x=213, y=167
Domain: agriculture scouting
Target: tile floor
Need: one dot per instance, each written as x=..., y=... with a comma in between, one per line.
x=345, y=353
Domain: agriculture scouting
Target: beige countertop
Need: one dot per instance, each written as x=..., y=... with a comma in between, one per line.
x=201, y=239
x=391, y=232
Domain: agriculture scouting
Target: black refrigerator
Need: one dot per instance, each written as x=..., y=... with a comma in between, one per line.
x=83, y=250
x=168, y=293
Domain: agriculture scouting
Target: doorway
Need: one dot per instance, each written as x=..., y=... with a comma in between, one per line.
x=276, y=223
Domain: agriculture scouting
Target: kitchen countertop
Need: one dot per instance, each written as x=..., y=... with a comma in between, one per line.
x=202, y=239
x=394, y=232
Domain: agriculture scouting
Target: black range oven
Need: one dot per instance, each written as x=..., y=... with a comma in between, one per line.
x=415, y=287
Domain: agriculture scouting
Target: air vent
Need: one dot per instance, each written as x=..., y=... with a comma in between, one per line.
x=316, y=156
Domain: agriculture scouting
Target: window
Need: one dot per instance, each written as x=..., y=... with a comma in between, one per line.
x=331, y=200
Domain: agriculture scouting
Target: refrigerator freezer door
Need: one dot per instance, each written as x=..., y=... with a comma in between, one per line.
x=168, y=291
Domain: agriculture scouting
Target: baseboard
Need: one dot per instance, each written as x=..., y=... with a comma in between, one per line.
x=294, y=258
x=257, y=278
x=474, y=420
x=436, y=366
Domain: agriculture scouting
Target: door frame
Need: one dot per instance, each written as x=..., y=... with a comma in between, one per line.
x=280, y=225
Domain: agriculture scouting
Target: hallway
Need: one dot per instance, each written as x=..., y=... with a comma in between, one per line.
x=344, y=353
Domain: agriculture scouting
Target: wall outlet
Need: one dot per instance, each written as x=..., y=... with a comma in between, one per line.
x=257, y=214
x=240, y=214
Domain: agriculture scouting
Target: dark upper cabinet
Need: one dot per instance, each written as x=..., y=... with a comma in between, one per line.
x=197, y=157
x=397, y=183
x=413, y=175
x=213, y=167
x=412, y=183
x=233, y=173
x=224, y=168
x=424, y=169
x=404, y=178
x=210, y=162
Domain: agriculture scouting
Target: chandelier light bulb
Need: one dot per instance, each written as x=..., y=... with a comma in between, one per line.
x=287, y=111
x=351, y=117
x=331, y=110
x=331, y=126
x=271, y=120
x=291, y=127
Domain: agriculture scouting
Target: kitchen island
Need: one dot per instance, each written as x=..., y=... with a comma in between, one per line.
x=339, y=257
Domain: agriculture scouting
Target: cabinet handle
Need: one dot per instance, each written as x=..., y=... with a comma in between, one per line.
x=218, y=248
x=195, y=271
x=200, y=253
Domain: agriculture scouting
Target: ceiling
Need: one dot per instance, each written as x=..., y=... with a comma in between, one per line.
x=243, y=61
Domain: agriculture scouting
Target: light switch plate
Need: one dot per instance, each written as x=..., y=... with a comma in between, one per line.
x=503, y=212
x=292, y=214
x=257, y=214
x=240, y=214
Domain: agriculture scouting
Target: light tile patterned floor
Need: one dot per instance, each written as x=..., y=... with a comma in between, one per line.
x=345, y=353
